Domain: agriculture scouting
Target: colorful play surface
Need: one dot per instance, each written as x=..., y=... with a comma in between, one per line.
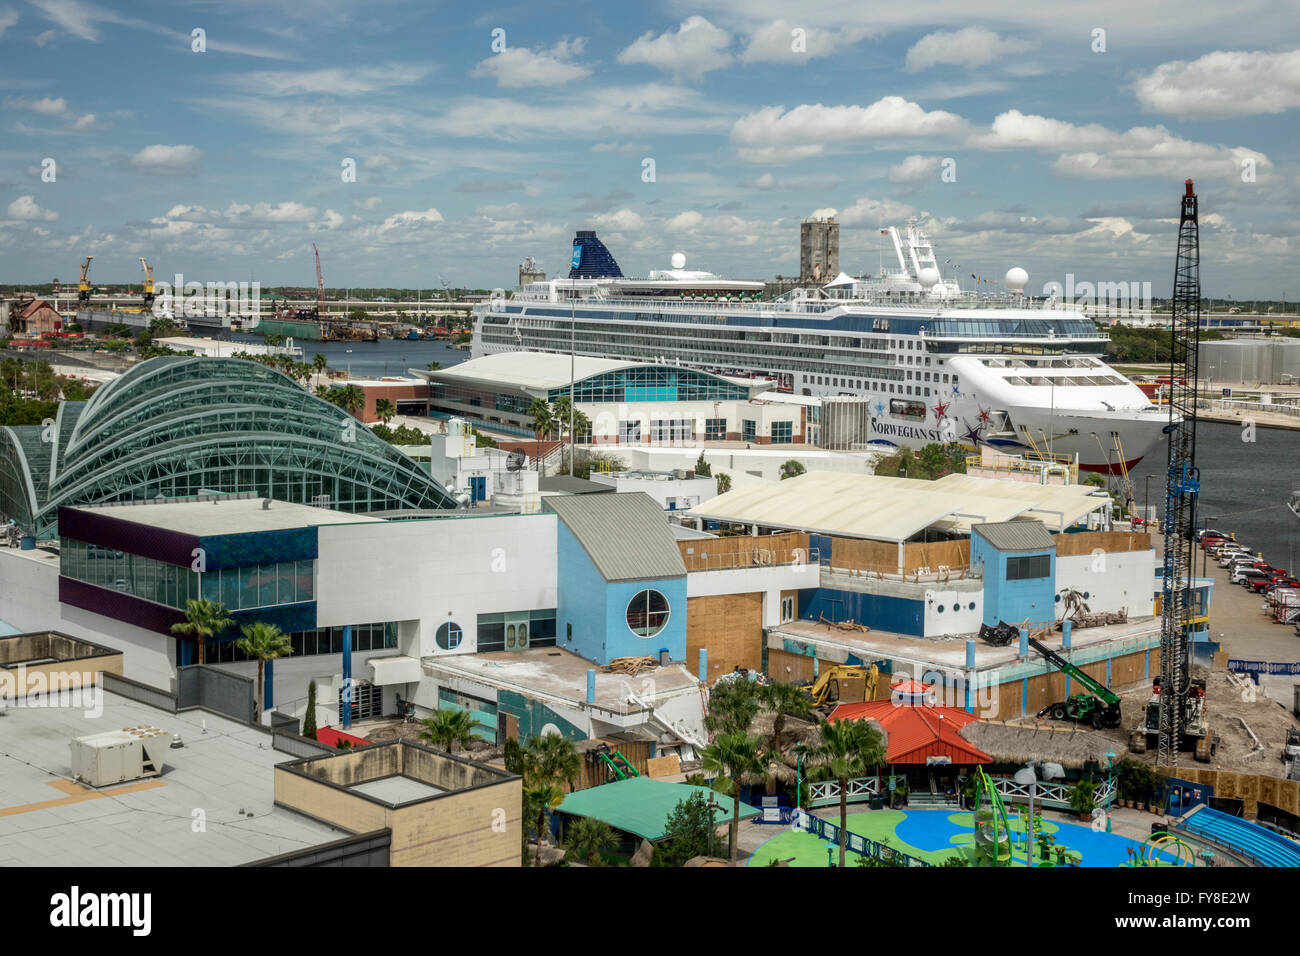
x=936, y=835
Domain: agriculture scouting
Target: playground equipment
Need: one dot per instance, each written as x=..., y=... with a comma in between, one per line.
x=1100, y=708
x=1157, y=843
x=616, y=762
x=992, y=828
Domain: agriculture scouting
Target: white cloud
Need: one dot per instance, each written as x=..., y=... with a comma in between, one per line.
x=85, y=121
x=627, y=149
x=914, y=169
x=332, y=82
x=1095, y=152
x=410, y=220
x=264, y=212
x=696, y=47
x=775, y=42
x=8, y=18
x=869, y=212
x=519, y=66
x=623, y=219
x=167, y=160
x=772, y=134
x=26, y=209
x=379, y=161
x=766, y=181
x=370, y=202
x=684, y=221
x=46, y=106
x=971, y=46
x=332, y=219
x=44, y=37
x=1223, y=84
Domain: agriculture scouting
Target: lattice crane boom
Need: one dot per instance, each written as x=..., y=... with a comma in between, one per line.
x=1182, y=484
x=320, y=284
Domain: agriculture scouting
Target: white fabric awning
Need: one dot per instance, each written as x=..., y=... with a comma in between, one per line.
x=395, y=670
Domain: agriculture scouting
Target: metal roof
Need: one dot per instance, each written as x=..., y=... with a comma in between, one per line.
x=1027, y=535
x=893, y=509
x=539, y=372
x=641, y=806
x=625, y=534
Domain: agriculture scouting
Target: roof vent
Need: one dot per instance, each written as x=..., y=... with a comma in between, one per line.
x=266, y=504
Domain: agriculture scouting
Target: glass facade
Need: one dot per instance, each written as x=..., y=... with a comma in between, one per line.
x=239, y=589
x=321, y=640
x=782, y=433
x=653, y=383
x=501, y=631
x=179, y=426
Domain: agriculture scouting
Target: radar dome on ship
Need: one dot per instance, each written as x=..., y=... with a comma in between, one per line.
x=1016, y=279
x=679, y=260
x=928, y=276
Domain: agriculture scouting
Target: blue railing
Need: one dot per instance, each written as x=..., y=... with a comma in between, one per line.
x=855, y=843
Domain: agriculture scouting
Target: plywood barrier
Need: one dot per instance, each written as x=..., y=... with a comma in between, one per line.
x=881, y=557
x=729, y=627
x=742, y=551
x=1250, y=788
x=787, y=667
x=934, y=555
x=1086, y=542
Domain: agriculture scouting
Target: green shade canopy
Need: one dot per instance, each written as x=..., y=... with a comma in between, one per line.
x=641, y=806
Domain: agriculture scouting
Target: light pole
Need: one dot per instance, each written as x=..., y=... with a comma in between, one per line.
x=349, y=354
x=1110, y=789
x=1147, y=494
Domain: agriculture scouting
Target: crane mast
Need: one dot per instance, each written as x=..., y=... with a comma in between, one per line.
x=83, y=285
x=320, y=285
x=1182, y=484
x=147, y=292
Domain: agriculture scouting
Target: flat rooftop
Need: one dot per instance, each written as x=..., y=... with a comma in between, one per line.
x=210, y=516
x=47, y=820
x=559, y=675
x=950, y=653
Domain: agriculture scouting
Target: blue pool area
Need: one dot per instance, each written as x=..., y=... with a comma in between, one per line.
x=934, y=836
x=1264, y=846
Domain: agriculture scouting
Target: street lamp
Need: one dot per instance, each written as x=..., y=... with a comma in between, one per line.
x=1028, y=776
x=1110, y=789
x=349, y=353
x=1147, y=495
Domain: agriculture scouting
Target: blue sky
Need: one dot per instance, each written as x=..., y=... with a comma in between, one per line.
x=474, y=148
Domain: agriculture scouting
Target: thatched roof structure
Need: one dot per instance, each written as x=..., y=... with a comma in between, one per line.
x=1020, y=743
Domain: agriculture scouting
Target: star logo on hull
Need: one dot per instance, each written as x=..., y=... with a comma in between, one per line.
x=940, y=410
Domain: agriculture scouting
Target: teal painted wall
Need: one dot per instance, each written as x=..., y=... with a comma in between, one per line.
x=533, y=716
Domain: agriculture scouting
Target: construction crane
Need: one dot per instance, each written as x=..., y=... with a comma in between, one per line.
x=83, y=285
x=146, y=294
x=320, y=285
x=1100, y=708
x=1182, y=485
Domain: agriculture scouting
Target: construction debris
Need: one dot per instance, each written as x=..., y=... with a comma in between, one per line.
x=1100, y=618
x=848, y=625
x=631, y=666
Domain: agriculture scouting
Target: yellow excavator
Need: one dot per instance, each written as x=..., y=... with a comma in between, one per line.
x=83, y=286
x=825, y=690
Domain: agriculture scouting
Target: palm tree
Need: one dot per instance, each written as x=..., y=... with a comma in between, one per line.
x=848, y=749
x=543, y=422
x=203, y=619
x=724, y=482
x=323, y=392
x=560, y=410
x=266, y=643
x=385, y=410
x=351, y=399
x=733, y=705
x=449, y=728
x=588, y=838
x=782, y=700
x=735, y=755
x=542, y=797
x=319, y=363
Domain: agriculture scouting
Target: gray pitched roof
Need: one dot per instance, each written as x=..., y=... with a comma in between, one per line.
x=625, y=534
x=1016, y=535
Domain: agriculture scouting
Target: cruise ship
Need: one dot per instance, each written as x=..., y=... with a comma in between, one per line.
x=933, y=362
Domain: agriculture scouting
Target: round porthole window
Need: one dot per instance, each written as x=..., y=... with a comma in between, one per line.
x=1086, y=595
x=1058, y=599
x=972, y=605
x=449, y=636
x=647, y=613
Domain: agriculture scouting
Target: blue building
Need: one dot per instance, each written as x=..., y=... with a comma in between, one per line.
x=620, y=576
x=1019, y=562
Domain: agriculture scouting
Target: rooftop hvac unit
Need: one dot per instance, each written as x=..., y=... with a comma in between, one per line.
x=102, y=760
x=683, y=473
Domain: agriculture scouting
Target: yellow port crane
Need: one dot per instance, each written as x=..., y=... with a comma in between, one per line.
x=147, y=293
x=83, y=285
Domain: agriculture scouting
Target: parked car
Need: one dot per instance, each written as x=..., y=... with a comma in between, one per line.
x=1244, y=576
x=1211, y=533
x=1207, y=541
x=1258, y=585
x=1223, y=546
x=1228, y=555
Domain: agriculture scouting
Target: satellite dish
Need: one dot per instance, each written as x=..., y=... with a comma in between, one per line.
x=515, y=461
x=1016, y=279
x=929, y=276
x=679, y=260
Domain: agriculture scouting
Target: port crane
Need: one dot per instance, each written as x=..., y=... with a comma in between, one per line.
x=320, y=285
x=1182, y=487
x=1100, y=708
x=83, y=285
x=146, y=293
